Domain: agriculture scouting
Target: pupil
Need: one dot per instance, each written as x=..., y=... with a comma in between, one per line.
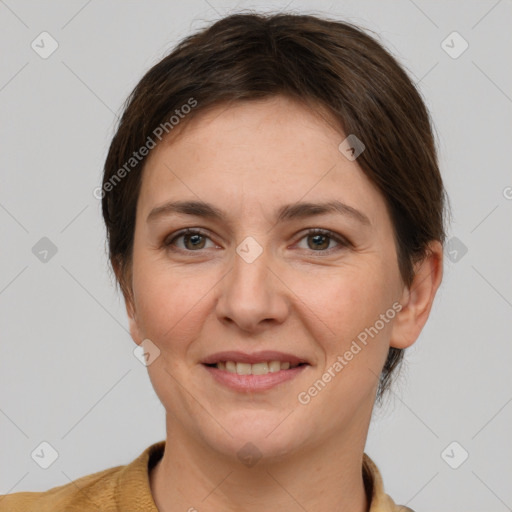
x=317, y=238
x=195, y=239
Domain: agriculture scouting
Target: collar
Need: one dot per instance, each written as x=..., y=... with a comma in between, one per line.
x=133, y=491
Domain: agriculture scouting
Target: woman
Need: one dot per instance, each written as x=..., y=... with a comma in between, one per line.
x=275, y=218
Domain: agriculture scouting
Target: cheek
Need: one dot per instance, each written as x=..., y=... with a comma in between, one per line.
x=349, y=296
x=349, y=304
x=169, y=304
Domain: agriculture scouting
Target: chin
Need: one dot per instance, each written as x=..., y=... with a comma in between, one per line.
x=258, y=436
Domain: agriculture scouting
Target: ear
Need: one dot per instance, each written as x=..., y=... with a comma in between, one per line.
x=132, y=319
x=127, y=290
x=417, y=299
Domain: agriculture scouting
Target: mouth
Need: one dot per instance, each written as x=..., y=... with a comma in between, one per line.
x=253, y=372
x=262, y=368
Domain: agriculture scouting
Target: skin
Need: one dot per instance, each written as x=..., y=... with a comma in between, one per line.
x=249, y=159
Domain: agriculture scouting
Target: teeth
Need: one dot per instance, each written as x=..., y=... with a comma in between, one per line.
x=254, y=369
x=243, y=368
x=274, y=366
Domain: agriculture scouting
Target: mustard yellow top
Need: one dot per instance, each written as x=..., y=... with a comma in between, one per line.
x=126, y=489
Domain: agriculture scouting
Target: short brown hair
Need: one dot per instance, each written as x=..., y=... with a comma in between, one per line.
x=329, y=64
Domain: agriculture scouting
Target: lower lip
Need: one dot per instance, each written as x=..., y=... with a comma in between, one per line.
x=248, y=383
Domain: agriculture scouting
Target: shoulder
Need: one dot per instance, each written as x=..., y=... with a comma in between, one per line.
x=109, y=490
x=385, y=503
x=89, y=493
x=378, y=499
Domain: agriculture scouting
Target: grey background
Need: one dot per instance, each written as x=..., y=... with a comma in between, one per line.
x=67, y=369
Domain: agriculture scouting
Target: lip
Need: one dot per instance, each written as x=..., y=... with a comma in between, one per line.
x=252, y=383
x=255, y=357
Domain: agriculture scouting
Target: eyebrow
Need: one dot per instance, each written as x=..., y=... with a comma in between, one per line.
x=287, y=212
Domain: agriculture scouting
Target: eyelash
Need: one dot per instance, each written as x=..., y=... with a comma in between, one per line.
x=342, y=242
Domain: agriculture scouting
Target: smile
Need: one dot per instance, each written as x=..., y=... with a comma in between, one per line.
x=245, y=377
x=254, y=369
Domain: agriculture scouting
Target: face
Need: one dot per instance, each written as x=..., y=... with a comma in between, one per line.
x=261, y=271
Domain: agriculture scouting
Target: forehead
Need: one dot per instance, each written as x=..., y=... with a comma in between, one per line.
x=260, y=152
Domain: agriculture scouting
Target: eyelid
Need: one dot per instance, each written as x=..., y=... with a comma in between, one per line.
x=341, y=240
x=168, y=240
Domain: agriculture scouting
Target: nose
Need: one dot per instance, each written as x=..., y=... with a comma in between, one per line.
x=252, y=296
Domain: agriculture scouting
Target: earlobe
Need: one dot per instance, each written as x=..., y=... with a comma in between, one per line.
x=124, y=279
x=132, y=321
x=417, y=300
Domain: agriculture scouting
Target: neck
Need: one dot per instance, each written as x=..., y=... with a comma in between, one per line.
x=328, y=476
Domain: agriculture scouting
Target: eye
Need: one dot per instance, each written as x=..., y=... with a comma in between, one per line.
x=321, y=238
x=193, y=239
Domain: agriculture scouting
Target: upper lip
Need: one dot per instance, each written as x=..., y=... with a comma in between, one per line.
x=255, y=357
